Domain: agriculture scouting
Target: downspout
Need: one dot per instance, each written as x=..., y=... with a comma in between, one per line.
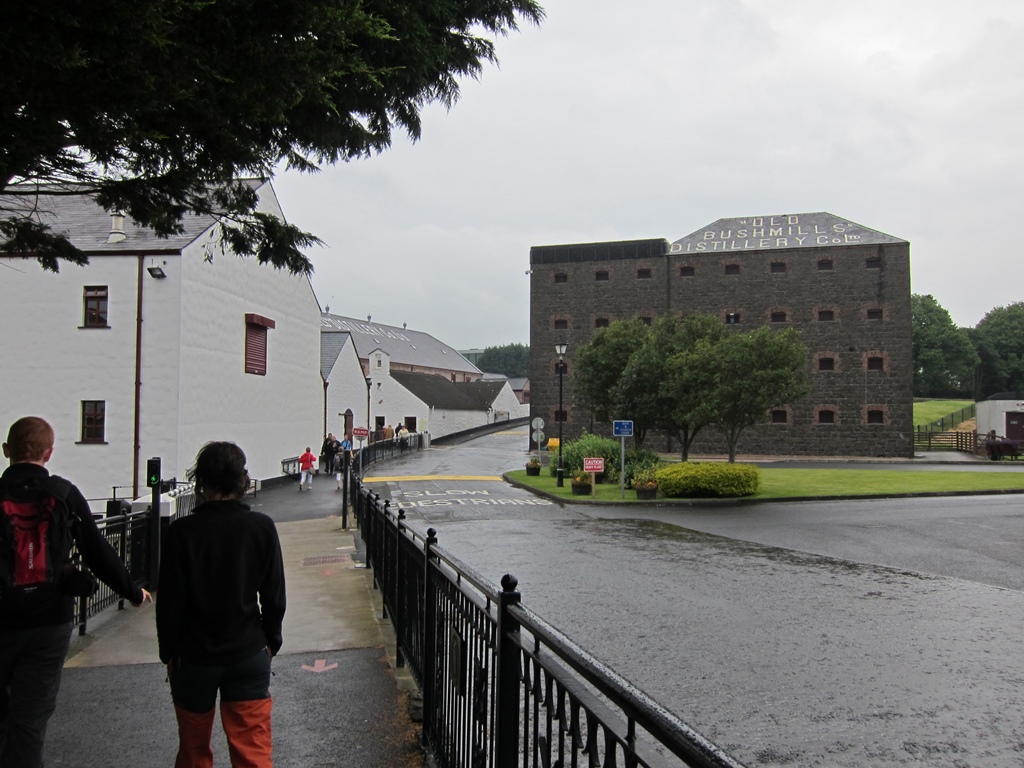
x=138, y=382
x=326, y=384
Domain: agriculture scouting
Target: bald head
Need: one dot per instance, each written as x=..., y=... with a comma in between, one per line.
x=29, y=440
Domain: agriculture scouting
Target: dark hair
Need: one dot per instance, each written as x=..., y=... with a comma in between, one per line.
x=220, y=470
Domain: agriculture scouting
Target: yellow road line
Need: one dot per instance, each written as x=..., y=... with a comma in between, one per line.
x=420, y=478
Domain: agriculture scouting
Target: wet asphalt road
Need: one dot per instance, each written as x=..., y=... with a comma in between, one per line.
x=870, y=633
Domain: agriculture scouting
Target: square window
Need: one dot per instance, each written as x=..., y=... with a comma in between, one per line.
x=686, y=271
x=601, y=277
x=778, y=267
x=876, y=363
x=94, y=414
x=779, y=317
x=601, y=322
x=826, y=315
x=732, y=269
x=643, y=274
x=732, y=318
x=876, y=417
x=95, y=301
x=874, y=314
x=561, y=277
x=826, y=363
x=874, y=262
x=561, y=325
x=825, y=265
x=645, y=320
x=780, y=416
x=561, y=416
x=826, y=417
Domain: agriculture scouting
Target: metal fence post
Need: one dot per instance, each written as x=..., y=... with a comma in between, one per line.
x=398, y=618
x=429, y=613
x=508, y=677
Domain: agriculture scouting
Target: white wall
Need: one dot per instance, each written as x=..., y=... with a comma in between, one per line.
x=271, y=417
x=50, y=363
x=991, y=414
x=507, y=401
x=346, y=390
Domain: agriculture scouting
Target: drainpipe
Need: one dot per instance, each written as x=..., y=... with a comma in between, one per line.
x=138, y=382
x=326, y=384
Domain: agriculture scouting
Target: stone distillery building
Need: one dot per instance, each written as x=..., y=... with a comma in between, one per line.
x=845, y=288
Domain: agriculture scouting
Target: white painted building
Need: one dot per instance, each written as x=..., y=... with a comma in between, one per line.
x=378, y=375
x=221, y=348
x=1002, y=413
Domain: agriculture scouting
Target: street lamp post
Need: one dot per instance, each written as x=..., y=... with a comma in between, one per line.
x=560, y=348
x=369, y=384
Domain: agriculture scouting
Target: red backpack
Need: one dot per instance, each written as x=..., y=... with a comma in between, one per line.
x=35, y=536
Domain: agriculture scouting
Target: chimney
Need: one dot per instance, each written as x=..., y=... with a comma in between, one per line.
x=117, y=228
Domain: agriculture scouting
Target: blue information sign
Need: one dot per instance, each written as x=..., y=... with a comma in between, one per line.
x=622, y=428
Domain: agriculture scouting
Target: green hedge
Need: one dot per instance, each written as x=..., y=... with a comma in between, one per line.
x=588, y=446
x=686, y=480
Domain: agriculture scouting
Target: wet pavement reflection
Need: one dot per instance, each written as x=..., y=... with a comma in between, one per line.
x=781, y=656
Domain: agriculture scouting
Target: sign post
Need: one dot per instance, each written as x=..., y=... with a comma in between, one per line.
x=594, y=466
x=360, y=434
x=622, y=430
x=538, y=433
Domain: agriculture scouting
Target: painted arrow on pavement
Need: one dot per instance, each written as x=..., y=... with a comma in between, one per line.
x=321, y=665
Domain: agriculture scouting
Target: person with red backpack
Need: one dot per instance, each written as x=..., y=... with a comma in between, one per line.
x=41, y=516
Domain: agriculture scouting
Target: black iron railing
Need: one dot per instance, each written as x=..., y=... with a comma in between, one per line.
x=128, y=533
x=502, y=687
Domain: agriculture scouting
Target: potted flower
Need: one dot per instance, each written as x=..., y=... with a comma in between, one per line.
x=645, y=483
x=533, y=467
x=581, y=485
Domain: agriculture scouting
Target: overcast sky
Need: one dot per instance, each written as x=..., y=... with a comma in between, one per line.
x=615, y=121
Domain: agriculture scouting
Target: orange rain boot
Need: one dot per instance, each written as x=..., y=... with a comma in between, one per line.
x=247, y=726
x=194, y=732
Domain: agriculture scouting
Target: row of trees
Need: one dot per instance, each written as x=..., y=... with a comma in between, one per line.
x=681, y=375
x=950, y=361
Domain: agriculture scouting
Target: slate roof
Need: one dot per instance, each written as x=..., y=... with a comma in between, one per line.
x=484, y=392
x=799, y=230
x=88, y=225
x=331, y=345
x=437, y=391
x=403, y=345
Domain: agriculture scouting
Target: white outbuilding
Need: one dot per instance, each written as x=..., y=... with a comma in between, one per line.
x=157, y=346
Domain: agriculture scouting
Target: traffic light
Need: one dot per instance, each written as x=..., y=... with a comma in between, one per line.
x=153, y=472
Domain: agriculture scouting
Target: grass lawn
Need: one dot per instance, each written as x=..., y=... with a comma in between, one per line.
x=797, y=483
x=927, y=411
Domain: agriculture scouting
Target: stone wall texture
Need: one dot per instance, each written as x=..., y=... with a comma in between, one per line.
x=849, y=302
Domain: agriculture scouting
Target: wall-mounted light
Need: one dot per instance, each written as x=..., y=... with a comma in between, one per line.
x=156, y=272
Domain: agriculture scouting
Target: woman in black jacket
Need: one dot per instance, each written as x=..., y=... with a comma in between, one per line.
x=220, y=605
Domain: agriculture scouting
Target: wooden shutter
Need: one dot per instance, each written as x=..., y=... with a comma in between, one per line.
x=256, y=343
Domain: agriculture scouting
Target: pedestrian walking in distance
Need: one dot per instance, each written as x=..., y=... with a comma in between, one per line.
x=306, y=463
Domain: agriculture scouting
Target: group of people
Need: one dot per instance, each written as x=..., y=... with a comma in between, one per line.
x=335, y=453
x=219, y=610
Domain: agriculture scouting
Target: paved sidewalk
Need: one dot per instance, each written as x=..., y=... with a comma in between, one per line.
x=337, y=701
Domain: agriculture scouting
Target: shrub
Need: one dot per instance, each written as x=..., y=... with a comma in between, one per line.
x=638, y=459
x=686, y=480
x=588, y=446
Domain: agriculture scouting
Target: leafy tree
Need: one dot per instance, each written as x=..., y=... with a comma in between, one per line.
x=600, y=363
x=680, y=388
x=999, y=340
x=944, y=359
x=155, y=108
x=742, y=376
x=512, y=360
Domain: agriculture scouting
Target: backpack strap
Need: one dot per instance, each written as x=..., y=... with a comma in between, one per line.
x=59, y=488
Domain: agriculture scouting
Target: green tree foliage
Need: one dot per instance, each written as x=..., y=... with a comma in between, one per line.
x=156, y=107
x=599, y=365
x=512, y=360
x=944, y=359
x=681, y=386
x=999, y=340
x=681, y=375
x=747, y=374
